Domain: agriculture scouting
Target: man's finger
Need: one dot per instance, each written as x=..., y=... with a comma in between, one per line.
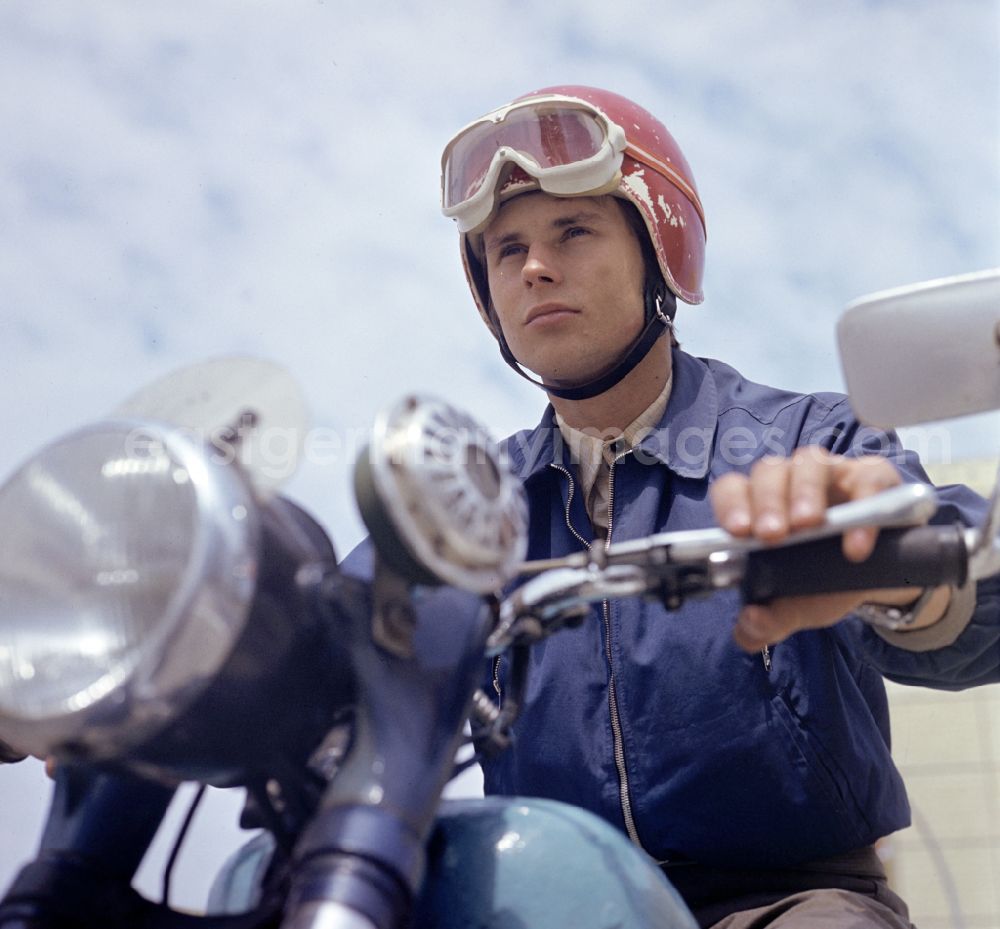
x=855, y=479
x=809, y=486
x=769, y=483
x=730, y=496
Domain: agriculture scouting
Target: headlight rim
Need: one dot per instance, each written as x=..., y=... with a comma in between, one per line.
x=217, y=582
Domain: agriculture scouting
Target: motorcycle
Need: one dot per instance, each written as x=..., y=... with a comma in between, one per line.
x=167, y=616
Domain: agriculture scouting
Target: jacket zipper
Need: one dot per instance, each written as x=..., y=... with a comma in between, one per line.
x=616, y=726
x=498, y=689
x=496, y=682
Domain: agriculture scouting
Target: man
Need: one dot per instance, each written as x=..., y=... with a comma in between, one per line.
x=757, y=773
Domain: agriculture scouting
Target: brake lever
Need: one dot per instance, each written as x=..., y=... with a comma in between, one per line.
x=898, y=507
x=674, y=565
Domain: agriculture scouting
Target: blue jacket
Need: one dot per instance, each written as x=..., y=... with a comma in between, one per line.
x=655, y=720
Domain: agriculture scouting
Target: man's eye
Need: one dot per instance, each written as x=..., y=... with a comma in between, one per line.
x=507, y=250
x=573, y=231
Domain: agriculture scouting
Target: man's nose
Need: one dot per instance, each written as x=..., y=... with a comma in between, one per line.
x=539, y=267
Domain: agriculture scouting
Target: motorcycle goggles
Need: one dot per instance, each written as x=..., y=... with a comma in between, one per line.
x=567, y=145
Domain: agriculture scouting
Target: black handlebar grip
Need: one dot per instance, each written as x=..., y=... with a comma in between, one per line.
x=924, y=556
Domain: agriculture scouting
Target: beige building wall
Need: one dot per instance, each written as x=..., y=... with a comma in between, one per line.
x=947, y=745
x=947, y=864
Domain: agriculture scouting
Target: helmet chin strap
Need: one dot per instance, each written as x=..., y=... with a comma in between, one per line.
x=658, y=322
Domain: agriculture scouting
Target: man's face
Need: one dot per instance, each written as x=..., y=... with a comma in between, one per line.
x=566, y=280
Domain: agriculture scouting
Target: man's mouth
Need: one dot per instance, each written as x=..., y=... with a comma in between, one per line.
x=548, y=312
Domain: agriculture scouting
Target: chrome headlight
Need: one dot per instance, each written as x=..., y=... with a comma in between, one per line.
x=126, y=576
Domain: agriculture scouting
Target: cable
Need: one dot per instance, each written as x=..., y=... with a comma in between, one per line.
x=178, y=842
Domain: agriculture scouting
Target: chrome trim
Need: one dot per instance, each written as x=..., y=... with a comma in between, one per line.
x=453, y=500
x=983, y=543
x=549, y=596
x=327, y=914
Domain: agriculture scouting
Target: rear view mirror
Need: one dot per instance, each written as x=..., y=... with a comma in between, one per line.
x=924, y=352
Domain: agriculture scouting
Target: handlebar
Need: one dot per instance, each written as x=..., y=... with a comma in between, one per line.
x=675, y=566
x=925, y=556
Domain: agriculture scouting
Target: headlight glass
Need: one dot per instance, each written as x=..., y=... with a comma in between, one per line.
x=115, y=537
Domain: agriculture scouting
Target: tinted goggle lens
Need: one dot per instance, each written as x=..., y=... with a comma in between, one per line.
x=549, y=137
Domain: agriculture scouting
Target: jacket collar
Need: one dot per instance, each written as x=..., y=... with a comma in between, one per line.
x=682, y=441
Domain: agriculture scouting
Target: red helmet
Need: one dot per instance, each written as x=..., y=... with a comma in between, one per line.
x=576, y=141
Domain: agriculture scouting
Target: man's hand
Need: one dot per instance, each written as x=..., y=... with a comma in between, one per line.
x=782, y=495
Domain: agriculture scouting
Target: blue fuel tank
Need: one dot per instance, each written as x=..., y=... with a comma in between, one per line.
x=502, y=863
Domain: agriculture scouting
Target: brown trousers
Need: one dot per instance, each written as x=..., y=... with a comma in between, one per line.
x=821, y=909
x=845, y=892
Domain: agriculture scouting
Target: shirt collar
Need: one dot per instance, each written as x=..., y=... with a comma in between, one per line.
x=589, y=447
x=682, y=439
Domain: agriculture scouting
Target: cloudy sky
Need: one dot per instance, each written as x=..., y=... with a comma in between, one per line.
x=207, y=177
